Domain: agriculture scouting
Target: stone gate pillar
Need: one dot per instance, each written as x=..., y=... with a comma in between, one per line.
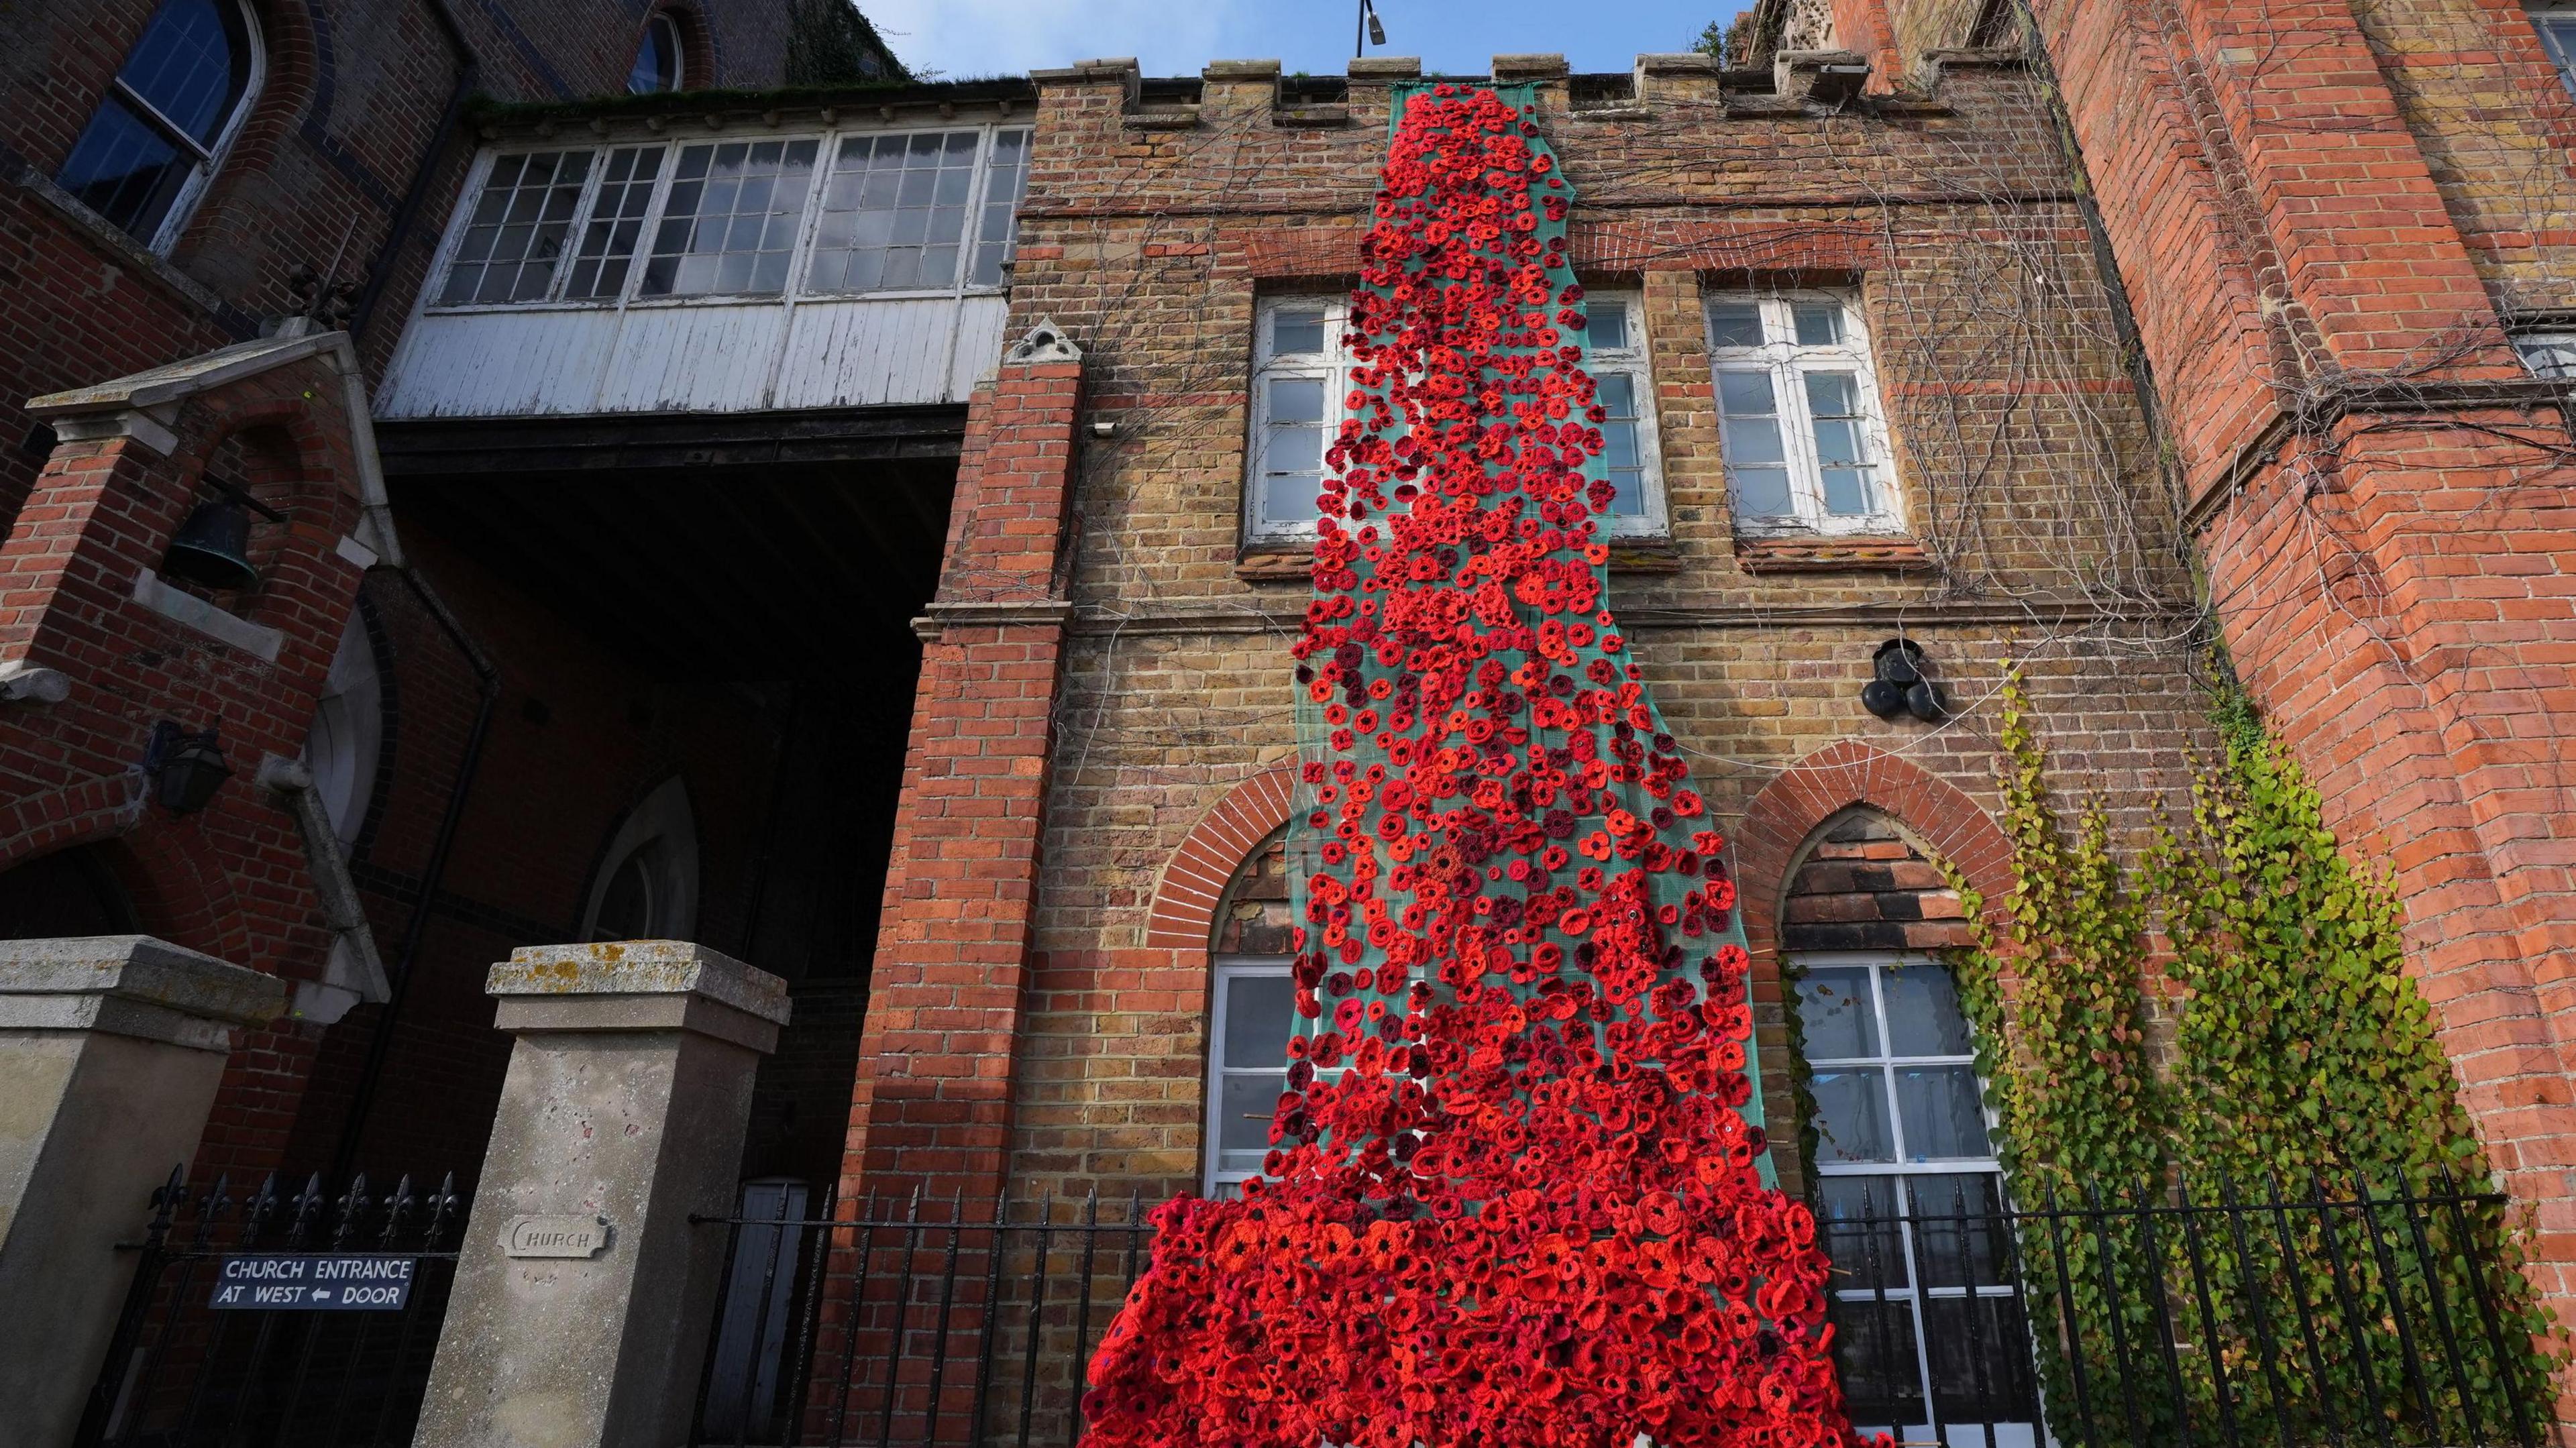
x=111, y=1048
x=583, y=1292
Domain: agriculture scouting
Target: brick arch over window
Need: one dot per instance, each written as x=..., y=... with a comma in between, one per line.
x=1787, y=813
x=1193, y=884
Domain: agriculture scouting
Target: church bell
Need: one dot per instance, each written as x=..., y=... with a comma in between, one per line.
x=213, y=546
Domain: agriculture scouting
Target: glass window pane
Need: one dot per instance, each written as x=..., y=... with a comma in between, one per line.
x=1923, y=1014
x=1858, y=1219
x=1619, y=445
x=1945, y=1120
x=1851, y=1117
x=1874, y=1349
x=1608, y=325
x=616, y=222
x=1617, y=393
x=2559, y=32
x=1835, y=1012
x=1288, y=499
x=1838, y=442
x=1847, y=493
x=1833, y=394
x=1959, y=1229
x=1735, y=324
x=1820, y=324
x=895, y=209
x=122, y=169
x=1981, y=1372
x=1762, y=492
x=1296, y=399
x=1003, y=184
x=1753, y=442
x=732, y=234
x=1745, y=394
x=522, y=227
x=1260, y=1011
x=192, y=65
x=1296, y=332
x=1245, y=1104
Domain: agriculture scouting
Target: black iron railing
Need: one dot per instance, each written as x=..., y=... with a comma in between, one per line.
x=2341, y=1314
x=924, y=1322
x=304, y=1319
x=2355, y=1318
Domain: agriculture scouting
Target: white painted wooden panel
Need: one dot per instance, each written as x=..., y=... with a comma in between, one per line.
x=705, y=357
x=979, y=344
x=500, y=364
x=697, y=358
x=847, y=353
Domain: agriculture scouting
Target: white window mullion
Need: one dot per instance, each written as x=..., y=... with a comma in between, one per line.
x=581, y=211
x=643, y=256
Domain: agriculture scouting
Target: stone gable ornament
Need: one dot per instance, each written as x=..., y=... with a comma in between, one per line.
x=1045, y=342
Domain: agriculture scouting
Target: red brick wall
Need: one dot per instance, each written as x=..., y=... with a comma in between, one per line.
x=230, y=880
x=2323, y=235
x=931, y=1105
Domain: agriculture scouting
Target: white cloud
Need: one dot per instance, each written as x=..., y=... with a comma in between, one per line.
x=959, y=38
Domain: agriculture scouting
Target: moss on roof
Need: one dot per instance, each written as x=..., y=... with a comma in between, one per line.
x=490, y=112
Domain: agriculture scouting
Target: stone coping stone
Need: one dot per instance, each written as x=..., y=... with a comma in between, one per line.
x=639, y=968
x=137, y=970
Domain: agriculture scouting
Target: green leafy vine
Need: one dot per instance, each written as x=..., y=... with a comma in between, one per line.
x=2305, y=1156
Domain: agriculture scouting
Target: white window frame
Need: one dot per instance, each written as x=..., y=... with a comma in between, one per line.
x=1635, y=362
x=1787, y=362
x=1914, y=1289
x=2549, y=351
x=1333, y=367
x=969, y=242
x=631, y=294
x=2557, y=27
x=1219, y=1181
x=206, y=160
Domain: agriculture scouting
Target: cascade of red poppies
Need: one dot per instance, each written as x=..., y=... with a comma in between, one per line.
x=1515, y=1201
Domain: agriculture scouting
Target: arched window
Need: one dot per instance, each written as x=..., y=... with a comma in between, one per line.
x=659, y=61
x=1251, y=1011
x=647, y=886
x=1905, y=1177
x=162, y=127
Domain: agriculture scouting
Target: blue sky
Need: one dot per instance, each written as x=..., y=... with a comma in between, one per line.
x=1176, y=37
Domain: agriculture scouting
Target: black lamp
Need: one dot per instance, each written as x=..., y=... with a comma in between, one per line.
x=1900, y=686
x=186, y=768
x=1375, y=28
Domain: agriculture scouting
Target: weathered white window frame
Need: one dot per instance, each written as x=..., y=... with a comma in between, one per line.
x=1908, y=1283
x=1295, y=522
x=630, y=294
x=1788, y=362
x=1633, y=361
x=1221, y=1179
x=204, y=160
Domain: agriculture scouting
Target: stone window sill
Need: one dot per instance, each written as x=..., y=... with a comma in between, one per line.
x=1879, y=554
